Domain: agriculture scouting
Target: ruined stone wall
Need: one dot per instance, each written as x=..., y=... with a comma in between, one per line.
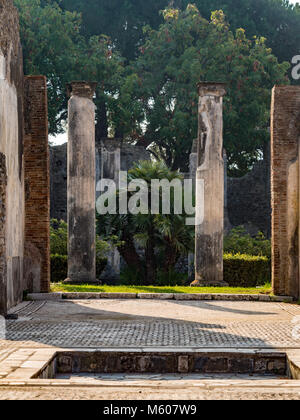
x=11, y=146
x=58, y=170
x=285, y=181
x=37, y=186
x=249, y=199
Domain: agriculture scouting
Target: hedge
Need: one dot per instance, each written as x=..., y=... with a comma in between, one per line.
x=242, y=270
x=59, y=267
x=239, y=270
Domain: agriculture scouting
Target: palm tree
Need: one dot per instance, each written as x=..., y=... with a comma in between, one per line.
x=157, y=235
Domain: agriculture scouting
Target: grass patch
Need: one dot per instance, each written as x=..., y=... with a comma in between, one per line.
x=60, y=287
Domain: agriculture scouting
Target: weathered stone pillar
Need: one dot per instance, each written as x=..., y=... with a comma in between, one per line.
x=285, y=187
x=81, y=184
x=210, y=170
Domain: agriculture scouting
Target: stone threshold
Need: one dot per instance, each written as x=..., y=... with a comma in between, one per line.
x=159, y=296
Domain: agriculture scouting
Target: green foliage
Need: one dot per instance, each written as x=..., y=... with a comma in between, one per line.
x=187, y=49
x=59, y=267
x=54, y=46
x=58, y=237
x=238, y=241
x=171, y=278
x=163, y=238
x=277, y=20
x=59, y=252
x=246, y=270
x=152, y=101
x=59, y=240
x=130, y=277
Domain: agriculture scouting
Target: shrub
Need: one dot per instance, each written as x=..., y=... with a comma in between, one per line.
x=238, y=241
x=58, y=237
x=59, y=267
x=130, y=277
x=59, y=240
x=246, y=270
x=172, y=278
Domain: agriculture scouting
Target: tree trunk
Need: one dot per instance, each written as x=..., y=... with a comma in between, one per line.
x=171, y=257
x=131, y=257
x=150, y=262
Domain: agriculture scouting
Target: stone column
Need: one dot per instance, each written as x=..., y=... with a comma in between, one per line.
x=210, y=171
x=285, y=187
x=81, y=184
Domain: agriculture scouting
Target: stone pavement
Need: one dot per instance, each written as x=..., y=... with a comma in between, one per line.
x=148, y=325
x=134, y=323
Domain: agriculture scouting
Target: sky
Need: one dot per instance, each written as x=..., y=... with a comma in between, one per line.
x=63, y=138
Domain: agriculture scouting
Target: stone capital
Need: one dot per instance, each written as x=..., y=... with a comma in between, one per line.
x=211, y=89
x=82, y=89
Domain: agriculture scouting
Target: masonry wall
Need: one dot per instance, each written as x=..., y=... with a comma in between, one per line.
x=249, y=199
x=285, y=141
x=37, y=186
x=11, y=146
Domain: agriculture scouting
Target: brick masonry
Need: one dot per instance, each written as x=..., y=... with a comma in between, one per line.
x=3, y=184
x=285, y=140
x=37, y=185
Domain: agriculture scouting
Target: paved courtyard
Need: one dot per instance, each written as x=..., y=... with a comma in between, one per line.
x=134, y=323
x=145, y=325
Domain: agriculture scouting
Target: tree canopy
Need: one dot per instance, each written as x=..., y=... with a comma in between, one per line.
x=187, y=49
x=147, y=58
x=276, y=20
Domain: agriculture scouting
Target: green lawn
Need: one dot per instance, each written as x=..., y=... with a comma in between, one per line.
x=60, y=287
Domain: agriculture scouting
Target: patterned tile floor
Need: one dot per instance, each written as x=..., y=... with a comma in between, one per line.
x=131, y=324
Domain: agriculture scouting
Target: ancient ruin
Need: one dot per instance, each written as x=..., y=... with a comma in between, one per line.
x=25, y=180
x=81, y=184
x=210, y=171
x=285, y=180
x=24, y=175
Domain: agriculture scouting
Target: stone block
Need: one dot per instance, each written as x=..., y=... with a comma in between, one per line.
x=192, y=296
x=156, y=296
x=118, y=295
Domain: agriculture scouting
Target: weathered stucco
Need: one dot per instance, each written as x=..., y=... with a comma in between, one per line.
x=81, y=184
x=210, y=170
x=11, y=145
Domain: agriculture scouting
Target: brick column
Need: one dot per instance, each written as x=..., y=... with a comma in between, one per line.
x=210, y=172
x=37, y=183
x=285, y=185
x=3, y=278
x=81, y=184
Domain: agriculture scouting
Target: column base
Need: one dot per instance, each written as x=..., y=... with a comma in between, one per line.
x=203, y=283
